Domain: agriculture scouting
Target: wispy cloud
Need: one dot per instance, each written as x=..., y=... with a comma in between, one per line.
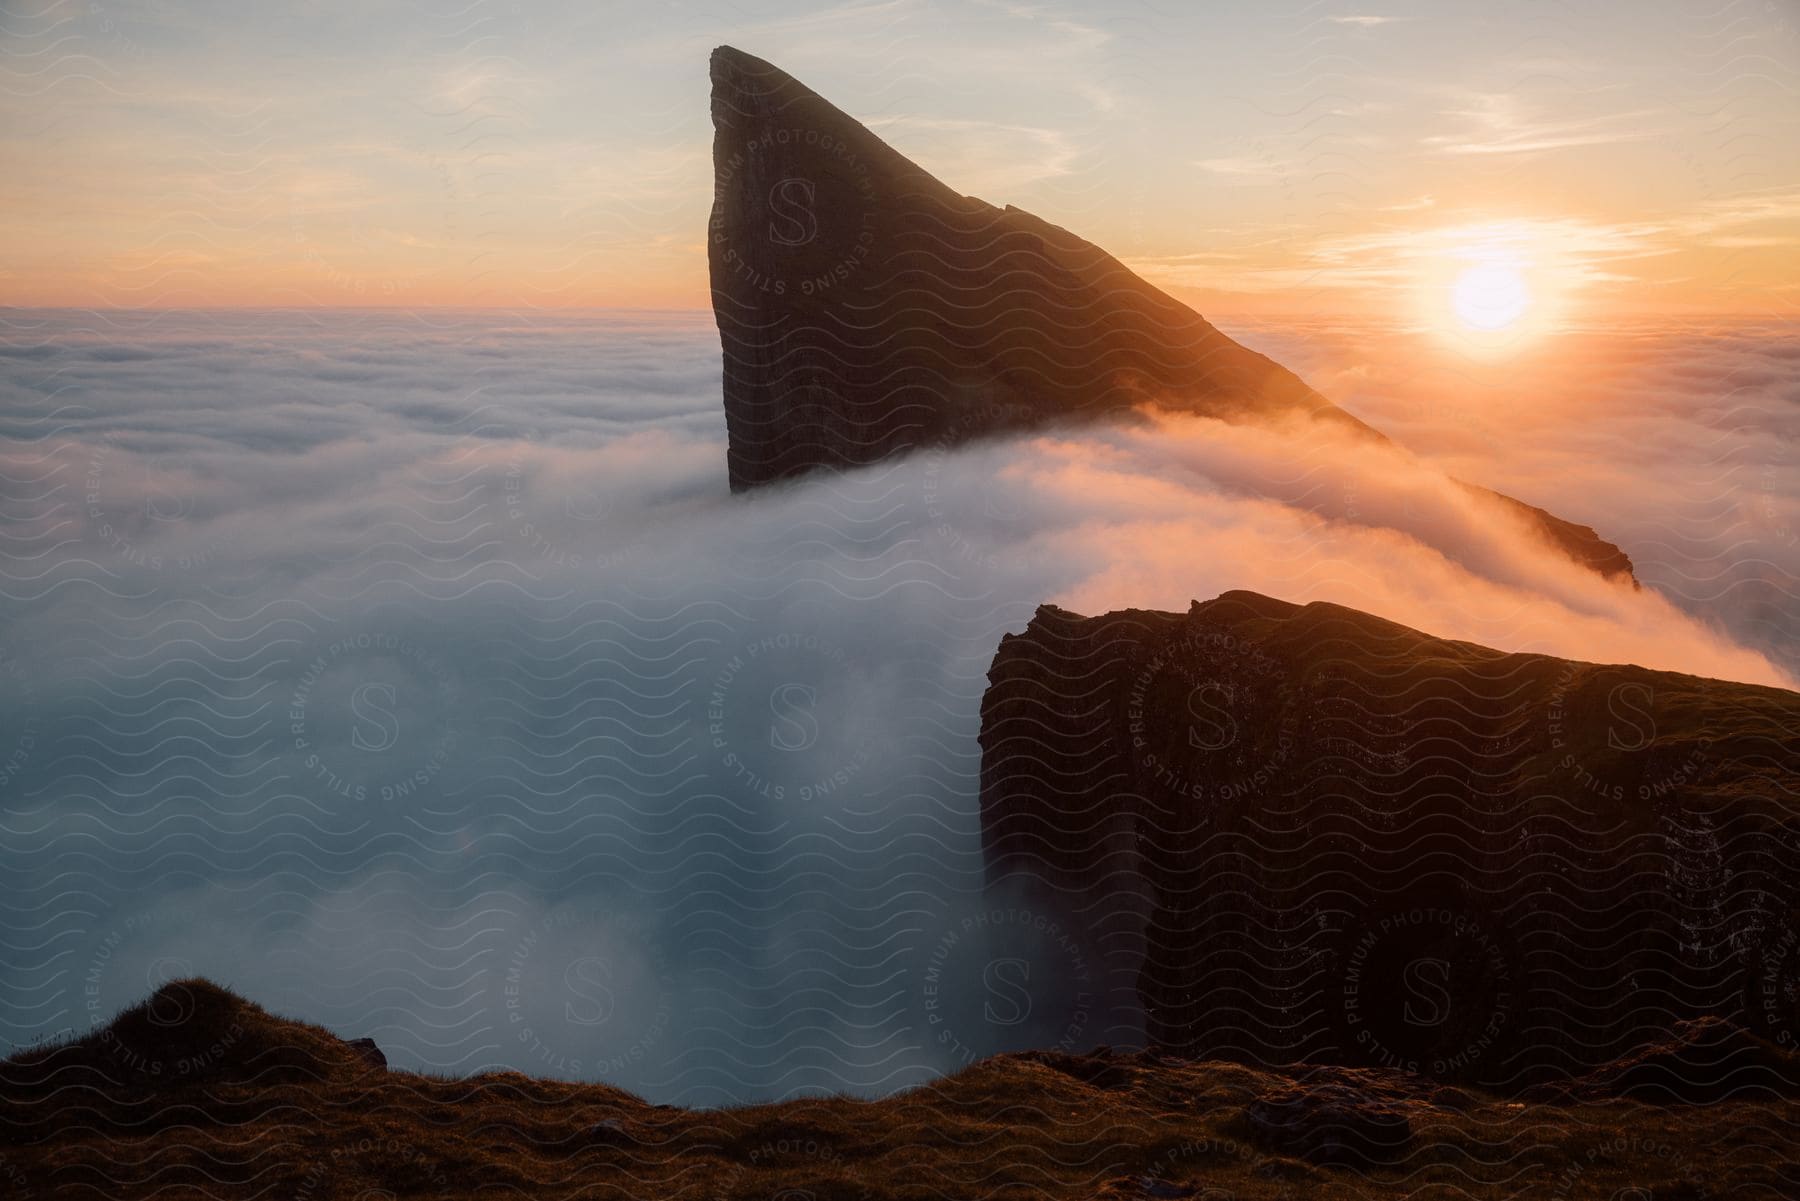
x=1087, y=35
x=1755, y=207
x=1241, y=166
x=1500, y=123
x=1745, y=242
x=982, y=156
x=1572, y=251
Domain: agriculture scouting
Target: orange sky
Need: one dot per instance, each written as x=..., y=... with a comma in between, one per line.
x=1616, y=157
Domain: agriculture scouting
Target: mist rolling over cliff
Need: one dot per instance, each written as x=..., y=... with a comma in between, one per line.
x=417, y=673
x=899, y=601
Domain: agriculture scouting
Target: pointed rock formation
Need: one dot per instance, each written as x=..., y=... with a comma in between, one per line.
x=866, y=309
x=1322, y=836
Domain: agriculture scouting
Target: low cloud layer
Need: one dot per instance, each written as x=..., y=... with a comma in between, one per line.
x=420, y=677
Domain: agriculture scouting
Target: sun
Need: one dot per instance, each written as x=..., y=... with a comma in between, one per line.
x=1490, y=296
x=1491, y=289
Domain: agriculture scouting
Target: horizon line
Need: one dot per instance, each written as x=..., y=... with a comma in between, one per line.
x=1792, y=314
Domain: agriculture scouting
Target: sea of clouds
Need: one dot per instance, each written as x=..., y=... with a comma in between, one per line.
x=417, y=674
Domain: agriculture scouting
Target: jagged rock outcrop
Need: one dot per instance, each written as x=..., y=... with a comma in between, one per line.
x=1330, y=837
x=370, y=1052
x=866, y=309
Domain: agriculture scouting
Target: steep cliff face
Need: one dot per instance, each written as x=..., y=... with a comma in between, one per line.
x=866, y=309
x=1327, y=836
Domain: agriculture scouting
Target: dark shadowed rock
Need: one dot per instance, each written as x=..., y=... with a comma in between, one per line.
x=1450, y=1097
x=1331, y=1124
x=1319, y=835
x=1696, y=1063
x=371, y=1054
x=611, y=1133
x=866, y=309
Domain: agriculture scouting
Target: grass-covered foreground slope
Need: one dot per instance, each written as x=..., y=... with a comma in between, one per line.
x=199, y=1093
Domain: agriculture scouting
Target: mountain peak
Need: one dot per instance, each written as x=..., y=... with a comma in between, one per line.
x=866, y=309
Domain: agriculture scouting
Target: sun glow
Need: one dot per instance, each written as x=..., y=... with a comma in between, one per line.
x=1494, y=288
x=1490, y=296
